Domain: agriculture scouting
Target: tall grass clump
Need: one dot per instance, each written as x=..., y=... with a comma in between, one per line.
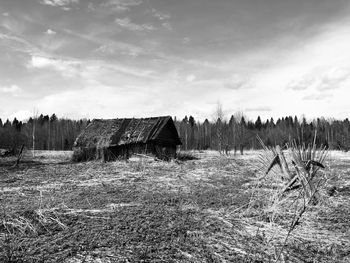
x=296, y=183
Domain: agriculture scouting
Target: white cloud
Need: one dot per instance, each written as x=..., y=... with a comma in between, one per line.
x=148, y=27
x=160, y=15
x=318, y=96
x=87, y=70
x=64, y=4
x=333, y=79
x=259, y=109
x=68, y=68
x=91, y=7
x=13, y=89
x=237, y=82
x=17, y=43
x=300, y=84
x=163, y=18
x=186, y=40
x=120, y=48
x=100, y=101
x=50, y=32
x=126, y=23
x=5, y=14
x=191, y=78
x=121, y=5
x=167, y=25
x=321, y=80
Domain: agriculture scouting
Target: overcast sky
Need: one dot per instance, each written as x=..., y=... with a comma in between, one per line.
x=135, y=58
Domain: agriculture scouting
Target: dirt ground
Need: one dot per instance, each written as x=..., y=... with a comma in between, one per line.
x=213, y=209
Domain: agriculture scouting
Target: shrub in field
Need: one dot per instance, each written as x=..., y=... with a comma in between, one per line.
x=302, y=172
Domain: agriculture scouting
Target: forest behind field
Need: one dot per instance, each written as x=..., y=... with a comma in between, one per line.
x=236, y=133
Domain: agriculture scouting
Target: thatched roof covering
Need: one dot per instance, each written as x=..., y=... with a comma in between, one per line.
x=102, y=133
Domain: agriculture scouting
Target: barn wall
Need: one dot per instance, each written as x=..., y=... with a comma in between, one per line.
x=81, y=154
x=168, y=136
x=165, y=152
x=125, y=151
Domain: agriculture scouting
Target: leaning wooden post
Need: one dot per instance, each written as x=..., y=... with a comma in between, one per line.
x=19, y=156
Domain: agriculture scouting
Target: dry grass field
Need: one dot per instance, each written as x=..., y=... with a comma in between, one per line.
x=214, y=209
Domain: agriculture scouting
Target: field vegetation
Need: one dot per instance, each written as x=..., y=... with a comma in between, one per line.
x=213, y=208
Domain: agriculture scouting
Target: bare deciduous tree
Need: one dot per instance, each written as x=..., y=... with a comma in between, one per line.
x=35, y=117
x=219, y=119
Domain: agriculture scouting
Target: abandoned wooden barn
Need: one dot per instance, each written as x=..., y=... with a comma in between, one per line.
x=119, y=138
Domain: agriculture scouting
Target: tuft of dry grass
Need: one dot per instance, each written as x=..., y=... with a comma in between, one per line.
x=297, y=187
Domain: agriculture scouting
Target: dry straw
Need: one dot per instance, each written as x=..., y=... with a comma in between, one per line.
x=297, y=183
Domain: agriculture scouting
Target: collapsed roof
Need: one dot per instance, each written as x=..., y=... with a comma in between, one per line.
x=116, y=132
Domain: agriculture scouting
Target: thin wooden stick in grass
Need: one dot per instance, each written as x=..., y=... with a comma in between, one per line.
x=19, y=156
x=296, y=220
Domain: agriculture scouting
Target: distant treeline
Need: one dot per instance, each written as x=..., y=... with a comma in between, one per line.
x=237, y=133
x=47, y=133
x=51, y=133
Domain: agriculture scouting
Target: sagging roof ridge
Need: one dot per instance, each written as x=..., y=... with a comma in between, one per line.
x=114, y=132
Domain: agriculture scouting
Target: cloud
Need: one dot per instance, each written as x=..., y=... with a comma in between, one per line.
x=333, y=79
x=91, y=7
x=121, y=5
x=167, y=25
x=161, y=16
x=191, y=78
x=50, y=32
x=5, y=14
x=13, y=89
x=64, y=4
x=318, y=96
x=17, y=43
x=120, y=48
x=259, y=109
x=87, y=70
x=100, y=101
x=68, y=68
x=301, y=84
x=237, y=83
x=126, y=23
x=149, y=74
x=186, y=40
x=321, y=80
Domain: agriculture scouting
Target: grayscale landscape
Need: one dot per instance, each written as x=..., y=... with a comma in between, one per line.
x=193, y=131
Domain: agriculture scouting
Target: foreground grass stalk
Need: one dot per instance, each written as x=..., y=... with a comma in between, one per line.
x=306, y=162
x=297, y=217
